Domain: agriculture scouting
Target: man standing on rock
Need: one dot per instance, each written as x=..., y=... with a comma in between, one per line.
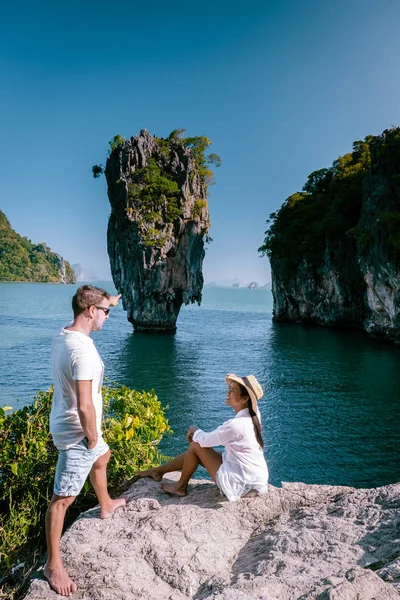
x=75, y=423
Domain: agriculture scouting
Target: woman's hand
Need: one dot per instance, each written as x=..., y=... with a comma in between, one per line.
x=189, y=435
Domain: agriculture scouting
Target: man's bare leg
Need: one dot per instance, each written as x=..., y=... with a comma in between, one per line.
x=98, y=479
x=157, y=473
x=209, y=458
x=54, y=570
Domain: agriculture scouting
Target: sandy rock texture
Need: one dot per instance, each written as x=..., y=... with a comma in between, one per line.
x=298, y=542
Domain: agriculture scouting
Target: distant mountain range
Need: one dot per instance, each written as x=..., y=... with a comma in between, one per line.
x=82, y=274
x=237, y=283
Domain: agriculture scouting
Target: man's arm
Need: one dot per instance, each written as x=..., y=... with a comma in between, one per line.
x=113, y=300
x=223, y=435
x=86, y=411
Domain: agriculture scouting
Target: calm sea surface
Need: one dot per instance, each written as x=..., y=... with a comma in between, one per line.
x=331, y=406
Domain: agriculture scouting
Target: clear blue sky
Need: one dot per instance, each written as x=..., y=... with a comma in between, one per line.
x=281, y=88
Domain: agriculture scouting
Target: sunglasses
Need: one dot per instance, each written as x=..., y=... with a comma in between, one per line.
x=106, y=310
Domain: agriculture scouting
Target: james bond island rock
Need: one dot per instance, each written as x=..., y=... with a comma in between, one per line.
x=334, y=247
x=298, y=542
x=21, y=260
x=159, y=220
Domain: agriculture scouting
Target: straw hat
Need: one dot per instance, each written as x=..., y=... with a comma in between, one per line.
x=252, y=386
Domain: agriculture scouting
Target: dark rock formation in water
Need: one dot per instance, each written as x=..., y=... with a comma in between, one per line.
x=335, y=247
x=159, y=218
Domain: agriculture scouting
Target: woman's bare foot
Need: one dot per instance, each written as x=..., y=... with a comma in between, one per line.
x=153, y=473
x=108, y=510
x=59, y=580
x=174, y=488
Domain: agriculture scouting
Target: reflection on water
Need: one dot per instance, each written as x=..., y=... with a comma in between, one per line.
x=330, y=411
x=332, y=400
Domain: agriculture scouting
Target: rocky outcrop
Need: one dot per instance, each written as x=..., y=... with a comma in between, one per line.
x=298, y=542
x=62, y=268
x=332, y=295
x=340, y=267
x=159, y=218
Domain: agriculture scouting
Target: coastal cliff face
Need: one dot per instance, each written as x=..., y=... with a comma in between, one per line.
x=335, y=247
x=330, y=295
x=159, y=219
x=298, y=542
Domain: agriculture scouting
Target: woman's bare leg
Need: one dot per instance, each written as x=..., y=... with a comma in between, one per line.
x=210, y=459
x=157, y=473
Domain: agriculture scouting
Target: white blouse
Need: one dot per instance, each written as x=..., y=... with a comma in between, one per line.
x=243, y=464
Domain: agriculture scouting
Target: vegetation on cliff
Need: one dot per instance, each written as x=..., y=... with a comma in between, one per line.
x=134, y=422
x=159, y=222
x=155, y=197
x=21, y=260
x=329, y=207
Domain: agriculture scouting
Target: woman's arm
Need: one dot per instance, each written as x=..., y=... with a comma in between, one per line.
x=223, y=435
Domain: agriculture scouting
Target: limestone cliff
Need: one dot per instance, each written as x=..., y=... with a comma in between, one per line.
x=157, y=190
x=21, y=260
x=335, y=247
x=298, y=542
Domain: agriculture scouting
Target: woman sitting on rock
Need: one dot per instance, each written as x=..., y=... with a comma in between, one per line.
x=241, y=467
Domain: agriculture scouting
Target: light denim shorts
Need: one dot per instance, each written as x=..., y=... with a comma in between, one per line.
x=74, y=465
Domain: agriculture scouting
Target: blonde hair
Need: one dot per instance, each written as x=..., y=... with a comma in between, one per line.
x=87, y=295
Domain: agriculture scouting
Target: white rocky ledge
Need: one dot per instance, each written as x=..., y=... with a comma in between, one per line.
x=298, y=542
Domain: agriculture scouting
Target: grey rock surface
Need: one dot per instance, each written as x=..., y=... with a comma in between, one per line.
x=298, y=542
x=156, y=278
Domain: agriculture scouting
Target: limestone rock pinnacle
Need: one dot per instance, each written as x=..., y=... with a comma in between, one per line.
x=159, y=218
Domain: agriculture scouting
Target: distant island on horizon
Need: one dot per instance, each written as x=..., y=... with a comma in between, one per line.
x=23, y=261
x=237, y=283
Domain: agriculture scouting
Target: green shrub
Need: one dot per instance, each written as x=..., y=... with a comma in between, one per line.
x=390, y=222
x=329, y=208
x=117, y=141
x=198, y=206
x=326, y=209
x=133, y=424
x=154, y=238
x=97, y=170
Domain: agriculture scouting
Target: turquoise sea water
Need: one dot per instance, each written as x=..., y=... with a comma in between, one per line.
x=331, y=406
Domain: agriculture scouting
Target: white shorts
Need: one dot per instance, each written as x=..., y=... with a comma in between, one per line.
x=74, y=465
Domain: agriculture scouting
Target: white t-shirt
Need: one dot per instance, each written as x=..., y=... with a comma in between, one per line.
x=74, y=357
x=243, y=463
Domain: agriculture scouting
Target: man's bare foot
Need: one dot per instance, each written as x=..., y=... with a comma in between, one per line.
x=107, y=511
x=174, y=488
x=153, y=473
x=59, y=580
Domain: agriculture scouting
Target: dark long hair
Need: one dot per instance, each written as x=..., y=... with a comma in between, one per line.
x=254, y=417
